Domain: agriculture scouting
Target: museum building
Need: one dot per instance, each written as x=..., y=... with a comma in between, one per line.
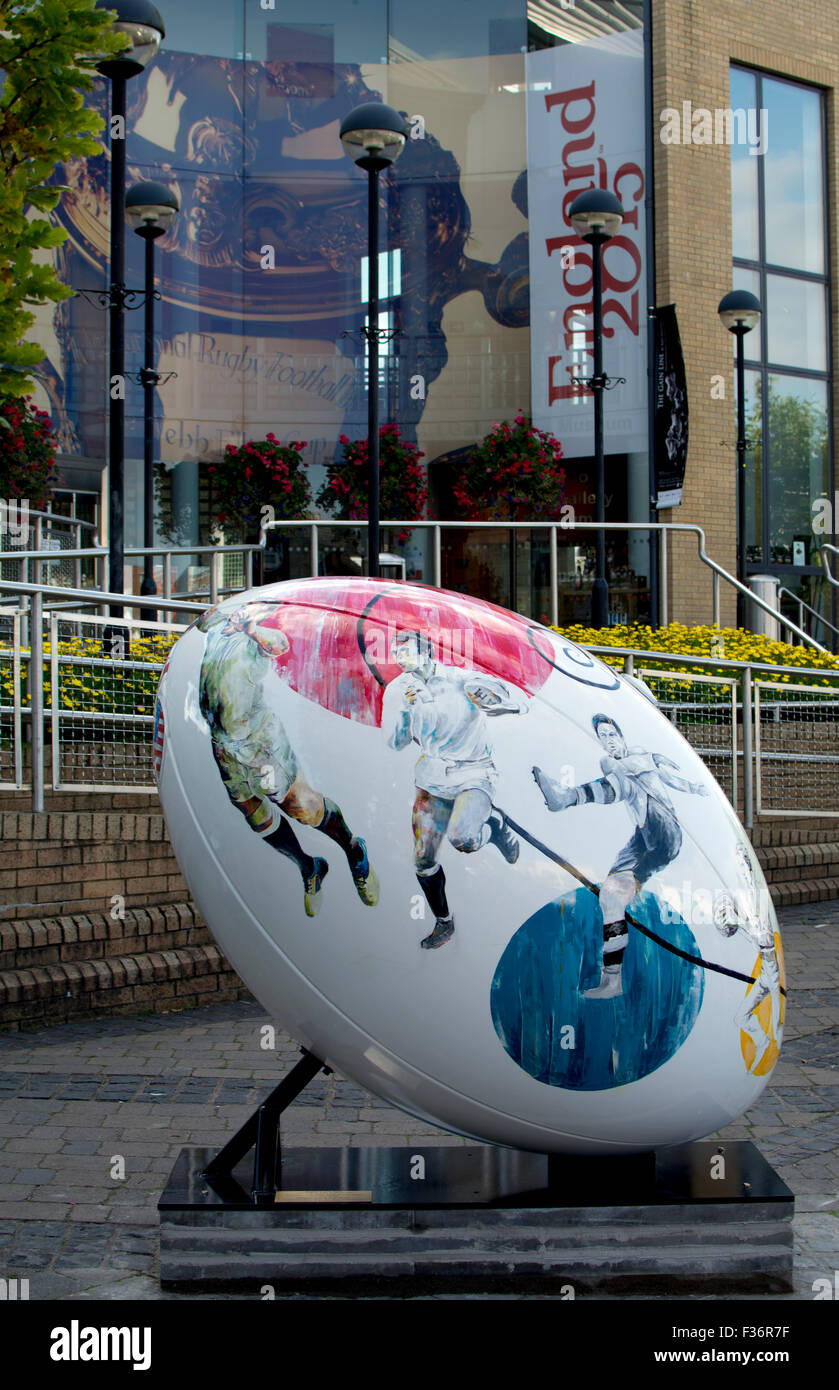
x=714, y=123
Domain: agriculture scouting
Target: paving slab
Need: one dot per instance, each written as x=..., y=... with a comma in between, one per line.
x=74, y=1097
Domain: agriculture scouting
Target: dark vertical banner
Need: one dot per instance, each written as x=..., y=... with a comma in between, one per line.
x=670, y=439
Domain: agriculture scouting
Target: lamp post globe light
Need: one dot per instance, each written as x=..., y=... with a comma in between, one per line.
x=740, y=312
x=596, y=215
x=373, y=135
x=150, y=209
x=140, y=20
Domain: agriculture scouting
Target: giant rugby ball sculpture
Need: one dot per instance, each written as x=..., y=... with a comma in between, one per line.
x=470, y=866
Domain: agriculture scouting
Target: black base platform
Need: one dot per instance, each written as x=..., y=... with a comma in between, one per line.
x=485, y=1218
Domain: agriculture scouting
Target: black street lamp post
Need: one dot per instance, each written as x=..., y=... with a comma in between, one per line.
x=151, y=209
x=373, y=135
x=596, y=216
x=740, y=312
x=141, y=21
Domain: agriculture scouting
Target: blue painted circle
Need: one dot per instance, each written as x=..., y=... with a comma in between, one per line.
x=537, y=998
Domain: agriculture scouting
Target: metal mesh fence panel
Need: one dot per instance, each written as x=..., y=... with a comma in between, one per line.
x=797, y=748
x=12, y=694
x=704, y=710
x=50, y=535
x=101, y=696
x=233, y=572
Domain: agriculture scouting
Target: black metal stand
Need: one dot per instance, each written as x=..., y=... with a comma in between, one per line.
x=262, y=1134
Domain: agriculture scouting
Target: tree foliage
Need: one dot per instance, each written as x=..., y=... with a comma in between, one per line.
x=48, y=53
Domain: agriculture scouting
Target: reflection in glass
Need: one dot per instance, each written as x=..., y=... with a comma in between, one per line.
x=796, y=411
x=815, y=592
x=297, y=33
x=437, y=30
x=794, y=180
x=193, y=26
x=744, y=193
x=742, y=279
x=551, y=22
x=754, y=472
x=796, y=323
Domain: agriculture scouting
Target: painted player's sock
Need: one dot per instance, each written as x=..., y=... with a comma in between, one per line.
x=285, y=840
x=334, y=825
x=433, y=885
x=615, y=941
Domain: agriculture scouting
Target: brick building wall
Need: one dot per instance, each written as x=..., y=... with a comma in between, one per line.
x=694, y=43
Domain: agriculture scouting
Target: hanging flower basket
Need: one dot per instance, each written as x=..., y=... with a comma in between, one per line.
x=252, y=477
x=402, y=491
x=514, y=474
x=27, y=452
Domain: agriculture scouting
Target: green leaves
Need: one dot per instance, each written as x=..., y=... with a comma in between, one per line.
x=47, y=52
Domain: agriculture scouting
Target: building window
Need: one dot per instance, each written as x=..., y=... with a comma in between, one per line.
x=780, y=238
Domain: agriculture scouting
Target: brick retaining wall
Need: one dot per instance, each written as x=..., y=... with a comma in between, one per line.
x=156, y=959
x=77, y=861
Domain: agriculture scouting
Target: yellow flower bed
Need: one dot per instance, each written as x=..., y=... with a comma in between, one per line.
x=727, y=644
x=109, y=689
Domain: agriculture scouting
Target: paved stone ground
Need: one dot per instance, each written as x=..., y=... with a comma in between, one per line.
x=77, y=1096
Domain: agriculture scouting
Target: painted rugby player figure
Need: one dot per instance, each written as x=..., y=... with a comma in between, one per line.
x=255, y=757
x=637, y=777
x=747, y=916
x=442, y=709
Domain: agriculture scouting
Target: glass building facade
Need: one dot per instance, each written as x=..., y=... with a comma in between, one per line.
x=780, y=247
x=514, y=107
x=263, y=275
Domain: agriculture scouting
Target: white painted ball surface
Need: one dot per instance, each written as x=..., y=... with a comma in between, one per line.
x=469, y=866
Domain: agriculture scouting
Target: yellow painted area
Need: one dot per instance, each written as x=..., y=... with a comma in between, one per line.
x=764, y=1017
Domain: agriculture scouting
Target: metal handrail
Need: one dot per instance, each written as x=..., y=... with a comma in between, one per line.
x=40, y=556
x=825, y=565
x=802, y=604
x=662, y=528
x=687, y=658
x=102, y=596
x=38, y=592
x=62, y=520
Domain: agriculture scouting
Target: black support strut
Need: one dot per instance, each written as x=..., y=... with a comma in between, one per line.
x=262, y=1134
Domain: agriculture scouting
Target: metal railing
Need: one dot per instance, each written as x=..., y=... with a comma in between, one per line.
x=41, y=556
x=767, y=740
x=57, y=545
x=802, y=605
x=786, y=729
x=62, y=704
x=662, y=529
